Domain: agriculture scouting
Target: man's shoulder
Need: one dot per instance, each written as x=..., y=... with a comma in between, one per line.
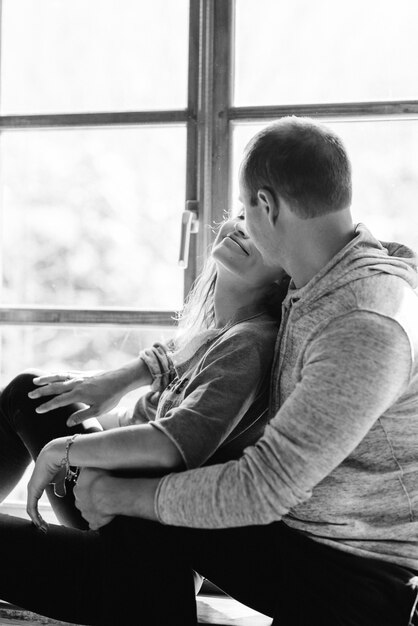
x=386, y=294
x=389, y=296
x=374, y=301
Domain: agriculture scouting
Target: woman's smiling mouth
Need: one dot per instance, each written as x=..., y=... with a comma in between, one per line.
x=237, y=242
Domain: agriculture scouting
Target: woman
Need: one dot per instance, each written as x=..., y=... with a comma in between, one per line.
x=214, y=385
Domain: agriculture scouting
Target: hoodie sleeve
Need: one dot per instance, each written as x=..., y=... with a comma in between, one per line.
x=353, y=372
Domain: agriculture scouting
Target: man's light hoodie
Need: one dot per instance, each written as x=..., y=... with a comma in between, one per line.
x=338, y=460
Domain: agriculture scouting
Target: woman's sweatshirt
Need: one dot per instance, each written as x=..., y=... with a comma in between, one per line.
x=338, y=459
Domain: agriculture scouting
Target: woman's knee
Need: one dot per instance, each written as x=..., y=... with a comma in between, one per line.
x=23, y=383
x=15, y=395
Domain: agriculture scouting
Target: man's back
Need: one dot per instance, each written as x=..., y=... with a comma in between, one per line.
x=358, y=433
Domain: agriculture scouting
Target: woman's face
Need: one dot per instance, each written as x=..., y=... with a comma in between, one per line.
x=235, y=253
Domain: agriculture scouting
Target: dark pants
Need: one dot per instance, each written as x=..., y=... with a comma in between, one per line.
x=135, y=569
x=23, y=434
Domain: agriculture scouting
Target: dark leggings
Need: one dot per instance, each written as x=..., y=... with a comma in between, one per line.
x=139, y=572
x=23, y=434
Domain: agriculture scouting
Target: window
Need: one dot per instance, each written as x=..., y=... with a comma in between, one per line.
x=97, y=128
x=351, y=65
x=114, y=117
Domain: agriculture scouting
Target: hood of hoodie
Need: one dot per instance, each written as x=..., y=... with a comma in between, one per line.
x=362, y=257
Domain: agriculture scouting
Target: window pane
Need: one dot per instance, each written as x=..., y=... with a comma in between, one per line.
x=61, y=349
x=385, y=177
x=325, y=51
x=92, y=217
x=95, y=55
x=57, y=348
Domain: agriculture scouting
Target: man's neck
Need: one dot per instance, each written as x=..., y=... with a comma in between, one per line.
x=314, y=242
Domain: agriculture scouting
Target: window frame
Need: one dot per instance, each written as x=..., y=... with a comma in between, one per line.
x=209, y=118
x=140, y=318
x=389, y=110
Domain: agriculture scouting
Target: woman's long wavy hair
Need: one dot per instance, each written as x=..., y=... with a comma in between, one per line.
x=198, y=312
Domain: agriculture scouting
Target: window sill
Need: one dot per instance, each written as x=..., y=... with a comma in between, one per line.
x=18, y=509
x=212, y=610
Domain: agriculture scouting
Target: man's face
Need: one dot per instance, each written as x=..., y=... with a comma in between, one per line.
x=261, y=230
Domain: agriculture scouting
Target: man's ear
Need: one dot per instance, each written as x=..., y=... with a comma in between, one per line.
x=270, y=205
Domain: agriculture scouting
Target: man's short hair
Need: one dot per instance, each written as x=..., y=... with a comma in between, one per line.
x=301, y=160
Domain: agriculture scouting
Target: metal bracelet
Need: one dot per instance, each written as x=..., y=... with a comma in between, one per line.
x=70, y=475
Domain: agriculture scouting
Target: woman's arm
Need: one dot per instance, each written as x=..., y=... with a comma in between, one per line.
x=139, y=447
x=101, y=392
x=132, y=448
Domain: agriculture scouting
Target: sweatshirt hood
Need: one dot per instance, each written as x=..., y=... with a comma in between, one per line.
x=360, y=258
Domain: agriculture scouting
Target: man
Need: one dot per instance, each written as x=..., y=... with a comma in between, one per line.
x=317, y=523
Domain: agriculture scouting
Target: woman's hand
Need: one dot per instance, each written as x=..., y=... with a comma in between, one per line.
x=48, y=469
x=100, y=391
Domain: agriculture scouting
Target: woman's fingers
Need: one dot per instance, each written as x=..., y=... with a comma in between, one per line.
x=32, y=508
x=93, y=390
x=56, y=402
x=45, y=379
x=81, y=416
x=39, y=521
x=63, y=396
x=51, y=389
x=48, y=464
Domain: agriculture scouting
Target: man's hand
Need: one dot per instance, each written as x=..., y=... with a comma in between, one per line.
x=100, y=391
x=100, y=497
x=93, y=495
x=48, y=465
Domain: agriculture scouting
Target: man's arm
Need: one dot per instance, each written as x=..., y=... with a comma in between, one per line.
x=353, y=372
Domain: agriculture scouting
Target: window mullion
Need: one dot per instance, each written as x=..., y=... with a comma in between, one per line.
x=192, y=157
x=70, y=316
x=79, y=120
x=222, y=97
x=366, y=110
x=213, y=124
